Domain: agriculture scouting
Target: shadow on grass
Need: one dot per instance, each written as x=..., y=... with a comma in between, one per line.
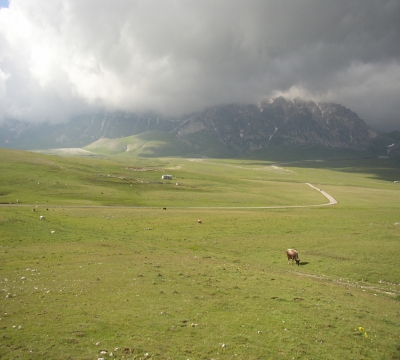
x=344, y=160
x=302, y=263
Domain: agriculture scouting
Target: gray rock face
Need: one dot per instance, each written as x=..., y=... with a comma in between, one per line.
x=242, y=128
x=281, y=122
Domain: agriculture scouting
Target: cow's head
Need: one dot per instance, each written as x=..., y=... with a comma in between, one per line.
x=297, y=261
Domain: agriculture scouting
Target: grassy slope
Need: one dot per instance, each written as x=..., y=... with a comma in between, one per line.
x=152, y=144
x=138, y=278
x=146, y=144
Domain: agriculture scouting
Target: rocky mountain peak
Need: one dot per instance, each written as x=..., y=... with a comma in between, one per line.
x=239, y=127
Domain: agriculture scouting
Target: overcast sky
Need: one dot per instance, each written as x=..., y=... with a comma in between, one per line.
x=59, y=58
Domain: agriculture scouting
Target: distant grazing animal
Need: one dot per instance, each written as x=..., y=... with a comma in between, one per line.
x=293, y=255
x=41, y=217
x=164, y=208
x=199, y=221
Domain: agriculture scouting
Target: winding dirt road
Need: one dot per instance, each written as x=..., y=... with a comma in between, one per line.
x=331, y=199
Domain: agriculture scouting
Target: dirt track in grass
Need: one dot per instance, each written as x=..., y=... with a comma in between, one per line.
x=332, y=201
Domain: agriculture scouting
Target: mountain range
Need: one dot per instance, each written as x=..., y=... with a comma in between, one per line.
x=219, y=131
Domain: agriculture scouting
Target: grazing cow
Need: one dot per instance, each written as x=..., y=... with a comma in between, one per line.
x=199, y=221
x=41, y=217
x=293, y=254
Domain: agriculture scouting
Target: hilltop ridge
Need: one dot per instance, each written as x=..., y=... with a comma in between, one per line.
x=223, y=130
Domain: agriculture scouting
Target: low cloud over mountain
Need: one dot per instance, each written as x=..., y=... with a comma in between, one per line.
x=59, y=59
x=223, y=130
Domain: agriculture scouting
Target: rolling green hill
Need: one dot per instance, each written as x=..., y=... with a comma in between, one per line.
x=161, y=144
x=150, y=143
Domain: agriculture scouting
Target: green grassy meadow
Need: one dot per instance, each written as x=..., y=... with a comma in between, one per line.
x=110, y=274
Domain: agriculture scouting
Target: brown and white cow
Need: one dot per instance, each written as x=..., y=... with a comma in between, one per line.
x=292, y=255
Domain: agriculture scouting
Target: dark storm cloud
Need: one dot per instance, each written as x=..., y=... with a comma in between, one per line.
x=59, y=58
